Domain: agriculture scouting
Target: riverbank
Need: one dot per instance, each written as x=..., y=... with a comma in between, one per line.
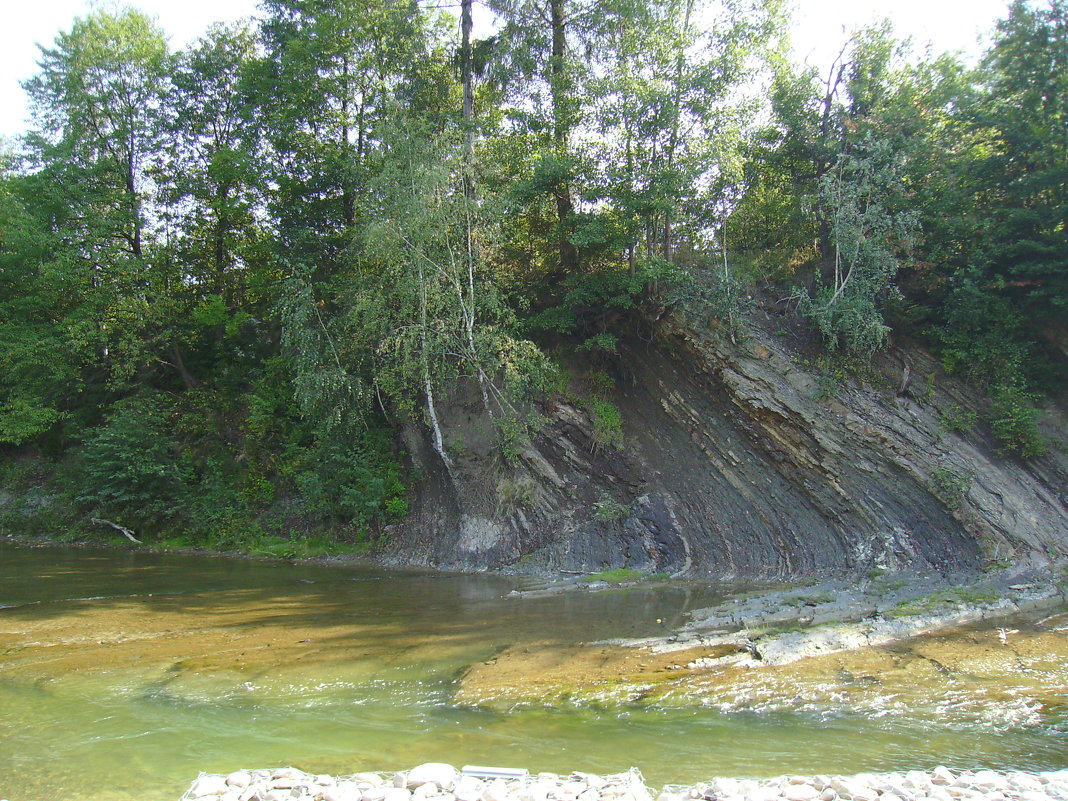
x=443, y=782
x=779, y=648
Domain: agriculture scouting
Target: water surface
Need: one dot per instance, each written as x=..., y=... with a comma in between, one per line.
x=124, y=674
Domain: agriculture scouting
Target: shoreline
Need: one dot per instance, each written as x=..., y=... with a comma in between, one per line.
x=435, y=781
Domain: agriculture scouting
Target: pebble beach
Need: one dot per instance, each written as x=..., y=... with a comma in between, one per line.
x=442, y=782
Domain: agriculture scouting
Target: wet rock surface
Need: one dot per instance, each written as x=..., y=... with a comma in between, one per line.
x=480, y=784
x=998, y=662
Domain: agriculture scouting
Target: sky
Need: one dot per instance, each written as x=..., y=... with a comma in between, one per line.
x=818, y=33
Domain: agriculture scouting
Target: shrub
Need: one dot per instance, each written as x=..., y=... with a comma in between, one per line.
x=514, y=494
x=957, y=418
x=607, y=424
x=609, y=510
x=131, y=467
x=951, y=485
x=1014, y=419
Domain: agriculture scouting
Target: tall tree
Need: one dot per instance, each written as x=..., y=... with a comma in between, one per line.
x=668, y=112
x=97, y=101
x=333, y=74
x=1025, y=111
x=212, y=176
x=545, y=45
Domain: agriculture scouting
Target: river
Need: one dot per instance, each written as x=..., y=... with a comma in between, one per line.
x=123, y=674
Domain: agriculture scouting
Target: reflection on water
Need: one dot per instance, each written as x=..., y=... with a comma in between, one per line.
x=124, y=674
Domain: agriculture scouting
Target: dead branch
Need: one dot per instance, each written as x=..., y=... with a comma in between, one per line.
x=125, y=531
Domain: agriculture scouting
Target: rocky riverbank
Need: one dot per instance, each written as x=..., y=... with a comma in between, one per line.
x=892, y=644
x=442, y=782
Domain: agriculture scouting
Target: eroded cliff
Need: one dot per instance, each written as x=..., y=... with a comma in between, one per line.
x=737, y=461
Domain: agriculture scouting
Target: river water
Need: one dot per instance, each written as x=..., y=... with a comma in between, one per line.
x=123, y=674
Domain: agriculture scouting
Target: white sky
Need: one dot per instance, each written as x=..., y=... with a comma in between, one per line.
x=819, y=24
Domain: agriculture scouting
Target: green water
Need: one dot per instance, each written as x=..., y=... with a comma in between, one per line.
x=124, y=674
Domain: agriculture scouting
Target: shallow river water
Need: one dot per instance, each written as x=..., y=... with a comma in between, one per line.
x=124, y=674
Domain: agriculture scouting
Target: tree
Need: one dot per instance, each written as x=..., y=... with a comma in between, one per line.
x=541, y=45
x=97, y=100
x=664, y=110
x=333, y=76
x=97, y=107
x=867, y=236
x=212, y=176
x=1024, y=112
x=425, y=303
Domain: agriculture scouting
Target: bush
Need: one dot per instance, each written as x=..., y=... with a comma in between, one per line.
x=957, y=418
x=607, y=424
x=358, y=482
x=951, y=485
x=609, y=510
x=1014, y=420
x=852, y=322
x=131, y=468
x=514, y=494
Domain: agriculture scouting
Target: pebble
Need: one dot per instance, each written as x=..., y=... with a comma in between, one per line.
x=437, y=781
x=796, y=791
x=437, y=773
x=942, y=775
x=207, y=786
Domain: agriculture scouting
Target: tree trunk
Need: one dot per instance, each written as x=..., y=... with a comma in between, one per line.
x=348, y=202
x=676, y=120
x=135, y=208
x=428, y=385
x=466, y=24
x=222, y=195
x=569, y=261
x=188, y=378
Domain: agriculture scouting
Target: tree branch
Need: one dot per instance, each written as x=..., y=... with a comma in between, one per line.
x=125, y=531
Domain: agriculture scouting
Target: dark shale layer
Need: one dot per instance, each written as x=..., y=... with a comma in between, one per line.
x=737, y=463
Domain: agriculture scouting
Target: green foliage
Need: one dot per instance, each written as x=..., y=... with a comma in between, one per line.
x=951, y=485
x=358, y=482
x=620, y=575
x=595, y=302
x=514, y=494
x=852, y=321
x=609, y=510
x=597, y=383
x=1014, y=419
x=958, y=418
x=607, y=424
x=867, y=233
x=832, y=376
x=131, y=468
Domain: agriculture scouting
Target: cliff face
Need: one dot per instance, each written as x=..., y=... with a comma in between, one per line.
x=734, y=464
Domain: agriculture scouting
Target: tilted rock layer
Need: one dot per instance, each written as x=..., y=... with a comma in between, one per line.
x=737, y=462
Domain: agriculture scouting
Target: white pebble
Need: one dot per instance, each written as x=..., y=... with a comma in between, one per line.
x=440, y=773
x=342, y=791
x=942, y=776
x=207, y=786
x=800, y=792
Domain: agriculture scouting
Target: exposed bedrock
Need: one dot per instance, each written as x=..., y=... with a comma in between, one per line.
x=735, y=465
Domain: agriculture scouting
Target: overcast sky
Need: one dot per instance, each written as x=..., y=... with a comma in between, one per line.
x=819, y=25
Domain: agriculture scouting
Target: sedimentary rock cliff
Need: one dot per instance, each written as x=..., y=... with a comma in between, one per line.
x=738, y=462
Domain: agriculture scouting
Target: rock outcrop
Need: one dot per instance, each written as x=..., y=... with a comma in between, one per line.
x=739, y=461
